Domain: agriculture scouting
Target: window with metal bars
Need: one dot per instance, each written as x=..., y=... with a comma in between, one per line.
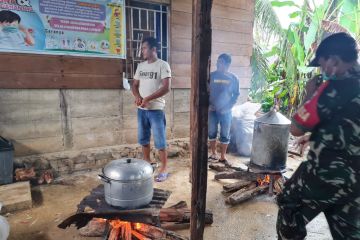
x=144, y=20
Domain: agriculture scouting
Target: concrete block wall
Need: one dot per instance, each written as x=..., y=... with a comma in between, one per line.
x=47, y=121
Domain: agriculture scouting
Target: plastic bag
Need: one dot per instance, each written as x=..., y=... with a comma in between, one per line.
x=4, y=227
x=242, y=127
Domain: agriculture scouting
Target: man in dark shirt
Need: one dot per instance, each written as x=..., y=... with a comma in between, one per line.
x=329, y=181
x=224, y=91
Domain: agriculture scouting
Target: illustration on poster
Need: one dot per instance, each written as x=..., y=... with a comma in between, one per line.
x=24, y=3
x=76, y=27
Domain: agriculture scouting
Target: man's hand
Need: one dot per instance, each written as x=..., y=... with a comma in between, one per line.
x=22, y=28
x=138, y=101
x=144, y=103
x=302, y=143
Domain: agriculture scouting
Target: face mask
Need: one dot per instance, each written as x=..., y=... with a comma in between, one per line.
x=326, y=77
x=10, y=29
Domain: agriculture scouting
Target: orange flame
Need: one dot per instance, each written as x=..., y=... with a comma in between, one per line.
x=264, y=181
x=137, y=226
x=124, y=230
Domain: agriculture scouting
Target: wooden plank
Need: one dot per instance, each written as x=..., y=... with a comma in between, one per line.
x=231, y=25
x=232, y=37
x=105, y=66
x=239, y=4
x=236, y=61
x=233, y=13
x=221, y=10
x=181, y=82
x=30, y=63
x=181, y=5
x=183, y=70
x=232, y=48
x=179, y=31
x=35, y=63
x=181, y=18
x=201, y=54
x=242, y=72
x=92, y=81
x=51, y=80
x=180, y=44
x=34, y=71
x=15, y=196
x=179, y=57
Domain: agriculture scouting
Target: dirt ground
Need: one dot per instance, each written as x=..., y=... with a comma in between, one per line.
x=253, y=220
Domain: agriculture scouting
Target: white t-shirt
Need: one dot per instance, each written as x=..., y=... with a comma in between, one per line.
x=150, y=76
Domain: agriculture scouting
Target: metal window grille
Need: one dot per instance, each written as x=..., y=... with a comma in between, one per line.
x=145, y=20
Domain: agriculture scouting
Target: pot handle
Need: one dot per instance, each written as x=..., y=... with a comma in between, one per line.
x=104, y=178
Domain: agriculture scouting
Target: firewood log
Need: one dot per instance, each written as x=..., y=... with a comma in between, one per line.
x=181, y=215
x=245, y=194
x=244, y=175
x=139, y=236
x=236, y=186
x=159, y=233
x=220, y=168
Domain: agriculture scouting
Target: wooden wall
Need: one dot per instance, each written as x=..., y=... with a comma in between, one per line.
x=232, y=22
x=34, y=71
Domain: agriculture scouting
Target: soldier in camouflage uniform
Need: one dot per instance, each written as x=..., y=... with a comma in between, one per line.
x=329, y=181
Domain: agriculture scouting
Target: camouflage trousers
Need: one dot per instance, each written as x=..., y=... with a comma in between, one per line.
x=311, y=191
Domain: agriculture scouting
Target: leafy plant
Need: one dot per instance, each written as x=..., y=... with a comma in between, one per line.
x=285, y=76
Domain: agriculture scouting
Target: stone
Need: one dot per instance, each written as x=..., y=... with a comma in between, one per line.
x=15, y=196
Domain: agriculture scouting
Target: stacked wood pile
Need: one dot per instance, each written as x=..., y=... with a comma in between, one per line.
x=249, y=184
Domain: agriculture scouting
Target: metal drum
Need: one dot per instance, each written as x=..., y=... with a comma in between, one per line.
x=270, y=142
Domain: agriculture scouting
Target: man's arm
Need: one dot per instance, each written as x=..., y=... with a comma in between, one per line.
x=159, y=93
x=236, y=92
x=136, y=93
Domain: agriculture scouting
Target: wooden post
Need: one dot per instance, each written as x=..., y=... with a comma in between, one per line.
x=200, y=75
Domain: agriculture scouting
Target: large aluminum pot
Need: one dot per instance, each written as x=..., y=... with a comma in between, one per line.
x=270, y=142
x=128, y=183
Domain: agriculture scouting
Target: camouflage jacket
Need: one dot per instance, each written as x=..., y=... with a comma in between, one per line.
x=332, y=115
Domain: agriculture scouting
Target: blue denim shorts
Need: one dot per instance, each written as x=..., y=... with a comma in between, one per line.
x=224, y=119
x=152, y=121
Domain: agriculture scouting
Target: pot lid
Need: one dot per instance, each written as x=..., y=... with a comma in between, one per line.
x=128, y=169
x=274, y=117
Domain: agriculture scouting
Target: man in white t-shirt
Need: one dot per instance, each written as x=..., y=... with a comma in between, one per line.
x=151, y=84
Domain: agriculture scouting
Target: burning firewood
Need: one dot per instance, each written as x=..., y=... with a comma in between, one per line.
x=95, y=228
x=139, y=236
x=246, y=193
x=244, y=175
x=158, y=233
x=236, y=186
